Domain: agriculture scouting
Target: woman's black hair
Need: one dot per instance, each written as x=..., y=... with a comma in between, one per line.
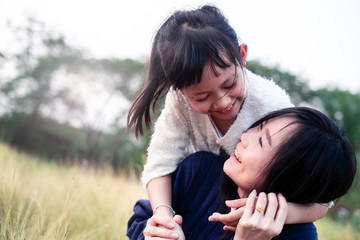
x=184, y=44
x=315, y=164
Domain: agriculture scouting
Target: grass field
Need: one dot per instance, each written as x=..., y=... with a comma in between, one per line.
x=46, y=201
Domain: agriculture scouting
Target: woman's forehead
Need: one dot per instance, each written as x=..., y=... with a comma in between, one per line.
x=280, y=126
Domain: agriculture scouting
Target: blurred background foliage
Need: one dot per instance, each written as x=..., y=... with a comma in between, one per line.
x=60, y=103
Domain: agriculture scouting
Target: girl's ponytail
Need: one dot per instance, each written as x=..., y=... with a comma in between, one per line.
x=155, y=85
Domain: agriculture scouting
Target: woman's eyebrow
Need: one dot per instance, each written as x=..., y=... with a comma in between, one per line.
x=268, y=136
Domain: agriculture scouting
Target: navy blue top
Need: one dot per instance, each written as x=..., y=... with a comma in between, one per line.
x=195, y=196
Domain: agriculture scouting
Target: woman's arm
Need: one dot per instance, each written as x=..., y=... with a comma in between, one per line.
x=299, y=213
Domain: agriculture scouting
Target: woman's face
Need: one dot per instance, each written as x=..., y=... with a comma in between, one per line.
x=219, y=95
x=253, y=153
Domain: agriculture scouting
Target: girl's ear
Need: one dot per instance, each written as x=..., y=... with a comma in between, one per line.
x=243, y=52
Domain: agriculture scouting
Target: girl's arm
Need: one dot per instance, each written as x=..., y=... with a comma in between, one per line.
x=298, y=213
x=159, y=191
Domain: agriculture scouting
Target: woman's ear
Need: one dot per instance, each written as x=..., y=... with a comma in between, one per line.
x=243, y=52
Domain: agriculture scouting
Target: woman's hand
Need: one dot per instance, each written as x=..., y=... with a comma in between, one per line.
x=263, y=217
x=159, y=227
x=230, y=220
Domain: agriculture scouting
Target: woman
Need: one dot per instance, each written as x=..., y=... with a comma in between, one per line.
x=296, y=153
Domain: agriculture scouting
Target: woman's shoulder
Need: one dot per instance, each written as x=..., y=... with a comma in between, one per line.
x=298, y=232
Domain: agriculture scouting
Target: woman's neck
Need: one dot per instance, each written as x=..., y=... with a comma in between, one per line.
x=242, y=193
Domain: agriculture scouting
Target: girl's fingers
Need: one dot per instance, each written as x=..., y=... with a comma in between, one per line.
x=236, y=203
x=178, y=219
x=232, y=216
x=229, y=228
x=161, y=220
x=159, y=232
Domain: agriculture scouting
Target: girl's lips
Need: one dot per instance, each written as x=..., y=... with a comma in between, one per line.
x=229, y=109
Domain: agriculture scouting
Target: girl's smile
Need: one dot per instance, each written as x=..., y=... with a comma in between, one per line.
x=228, y=110
x=220, y=93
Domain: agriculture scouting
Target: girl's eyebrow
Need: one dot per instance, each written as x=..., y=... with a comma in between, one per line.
x=232, y=77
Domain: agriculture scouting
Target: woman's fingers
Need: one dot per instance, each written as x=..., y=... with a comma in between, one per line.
x=250, y=204
x=272, y=205
x=260, y=204
x=263, y=218
x=282, y=209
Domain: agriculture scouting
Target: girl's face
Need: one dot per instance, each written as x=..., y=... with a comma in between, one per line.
x=254, y=151
x=219, y=95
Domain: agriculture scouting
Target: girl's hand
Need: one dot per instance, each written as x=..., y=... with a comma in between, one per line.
x=159, y=227
x=263, y=218
x=230, y=220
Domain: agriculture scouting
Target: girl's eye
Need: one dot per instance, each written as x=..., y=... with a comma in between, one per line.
x=261, y=126
x=232, y=85
x=202, y=99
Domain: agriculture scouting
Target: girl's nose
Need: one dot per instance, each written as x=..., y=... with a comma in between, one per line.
x=222, y=102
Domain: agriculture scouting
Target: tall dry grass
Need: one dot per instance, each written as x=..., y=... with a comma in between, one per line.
x=46, y=201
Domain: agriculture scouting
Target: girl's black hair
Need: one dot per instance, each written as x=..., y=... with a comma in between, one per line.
x=184, y=44
x=315, y=164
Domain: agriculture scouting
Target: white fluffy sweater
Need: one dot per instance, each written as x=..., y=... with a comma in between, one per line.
x=179, y=126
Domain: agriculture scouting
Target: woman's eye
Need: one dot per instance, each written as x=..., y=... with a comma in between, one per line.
x=260, y=142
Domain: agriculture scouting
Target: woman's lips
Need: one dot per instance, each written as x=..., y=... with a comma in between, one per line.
x=236, y=157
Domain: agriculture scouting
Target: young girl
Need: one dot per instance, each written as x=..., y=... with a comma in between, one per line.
x=197, y=62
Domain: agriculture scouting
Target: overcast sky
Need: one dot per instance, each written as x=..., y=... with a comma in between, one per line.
x=316, y=39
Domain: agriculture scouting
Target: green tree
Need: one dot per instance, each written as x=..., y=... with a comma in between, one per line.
x=297, y=88
x=48, y=84
x=344, y=107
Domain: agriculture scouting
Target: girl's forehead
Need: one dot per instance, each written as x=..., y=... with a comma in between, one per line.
x=213, y=70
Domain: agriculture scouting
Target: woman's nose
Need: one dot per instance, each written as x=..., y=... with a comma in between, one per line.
x=244, y=140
